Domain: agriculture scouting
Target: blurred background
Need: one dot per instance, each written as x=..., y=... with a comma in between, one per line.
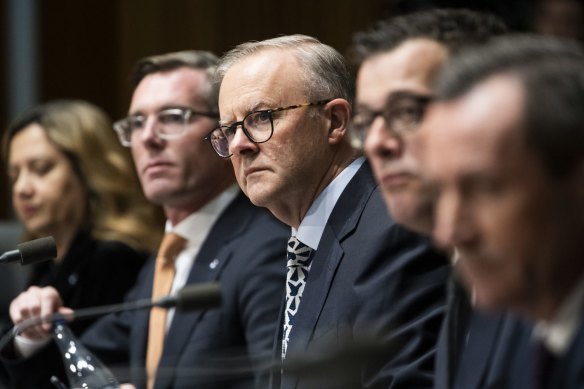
x=85, y=49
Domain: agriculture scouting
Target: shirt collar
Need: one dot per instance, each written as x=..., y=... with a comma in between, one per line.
x=195, y=227
x=557, y=334
x=312, y=226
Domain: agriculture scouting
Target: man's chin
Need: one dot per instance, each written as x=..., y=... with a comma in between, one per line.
x=159, y=195
x=402, y=207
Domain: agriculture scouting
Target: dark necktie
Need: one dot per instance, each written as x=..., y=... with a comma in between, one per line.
x=458, y=313
x=299, y=258
x=544, y=366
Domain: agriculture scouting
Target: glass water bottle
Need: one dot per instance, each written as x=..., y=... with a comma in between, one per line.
x=84, y=370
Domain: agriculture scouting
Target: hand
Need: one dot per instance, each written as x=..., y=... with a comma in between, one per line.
x=35, y=302
x=127, y=386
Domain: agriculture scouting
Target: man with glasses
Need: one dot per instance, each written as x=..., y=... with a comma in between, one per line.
x=216, y=234
x=398, y=60
x=353, y=274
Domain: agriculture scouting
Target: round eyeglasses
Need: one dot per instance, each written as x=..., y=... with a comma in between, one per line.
x=403, y=112
x=171, y=123
x=258, y=127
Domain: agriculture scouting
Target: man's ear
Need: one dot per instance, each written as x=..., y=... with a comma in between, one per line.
x=340, y=117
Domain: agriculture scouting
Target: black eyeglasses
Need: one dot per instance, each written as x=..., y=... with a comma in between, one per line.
x=403, y=112
x=258, y=126
x=172, y=123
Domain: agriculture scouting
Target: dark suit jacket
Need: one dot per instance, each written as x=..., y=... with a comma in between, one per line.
x=245, y=252
x=498, y=351
x=369, y=278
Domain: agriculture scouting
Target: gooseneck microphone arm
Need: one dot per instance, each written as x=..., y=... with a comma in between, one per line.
x=191, y=297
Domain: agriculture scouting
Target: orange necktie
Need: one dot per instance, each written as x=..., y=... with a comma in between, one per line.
x=171, y=246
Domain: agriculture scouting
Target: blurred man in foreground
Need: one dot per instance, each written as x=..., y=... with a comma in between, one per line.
x=505, y=146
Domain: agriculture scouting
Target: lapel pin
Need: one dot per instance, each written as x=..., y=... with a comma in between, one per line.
x=213, y=264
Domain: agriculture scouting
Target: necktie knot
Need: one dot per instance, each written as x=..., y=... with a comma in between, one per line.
x=172, y=244
x=298, y=253
x=299, y=258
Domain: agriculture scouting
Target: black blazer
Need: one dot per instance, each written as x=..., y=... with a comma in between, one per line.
x=369, y=277
x=245, y=253
x=92, y=273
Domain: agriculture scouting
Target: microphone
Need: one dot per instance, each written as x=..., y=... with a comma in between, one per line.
x=33, y=251
x=191, y=297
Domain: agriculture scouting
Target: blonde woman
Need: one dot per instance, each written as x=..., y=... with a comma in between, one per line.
x=71, y=179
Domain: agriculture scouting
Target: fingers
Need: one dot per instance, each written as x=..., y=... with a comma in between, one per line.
x=35, y=302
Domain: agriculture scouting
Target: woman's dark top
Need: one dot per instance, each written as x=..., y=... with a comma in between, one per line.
x=92, y=273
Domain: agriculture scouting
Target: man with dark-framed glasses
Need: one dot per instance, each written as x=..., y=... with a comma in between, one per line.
x=213, y=233
x=397, y=60
x=353, y=274
x=258, y=126
x=171, y=123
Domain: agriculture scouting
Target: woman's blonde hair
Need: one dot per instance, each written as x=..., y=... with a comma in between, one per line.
x=117, y=208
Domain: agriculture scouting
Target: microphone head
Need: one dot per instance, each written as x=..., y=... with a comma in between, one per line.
x=198, y=296
x=38, y=250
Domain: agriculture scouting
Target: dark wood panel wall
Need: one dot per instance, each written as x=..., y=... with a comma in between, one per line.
x=87, y=48
x=153, y=26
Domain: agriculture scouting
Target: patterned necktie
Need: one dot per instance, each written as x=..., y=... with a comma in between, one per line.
x=171, y=245
x=299, y=258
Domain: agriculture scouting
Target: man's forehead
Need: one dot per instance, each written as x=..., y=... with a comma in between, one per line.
x=179, y=87
x=260, y=81
x=410, y=67
x=484, y=120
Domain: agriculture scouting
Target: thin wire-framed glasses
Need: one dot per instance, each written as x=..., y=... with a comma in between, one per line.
x=171, y=123
x=402, y=112
x=258, y=127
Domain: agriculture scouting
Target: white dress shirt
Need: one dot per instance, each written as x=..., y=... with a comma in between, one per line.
x=312, y=226
x=195, y=228
x=558, y=334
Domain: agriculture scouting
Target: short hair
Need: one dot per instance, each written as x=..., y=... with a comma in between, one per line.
x=325, y=72
x=453, y=28
x=82, y=132
x=194, y=59
x=551, y=72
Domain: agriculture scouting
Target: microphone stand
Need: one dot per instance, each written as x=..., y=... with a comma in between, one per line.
x=194, y=296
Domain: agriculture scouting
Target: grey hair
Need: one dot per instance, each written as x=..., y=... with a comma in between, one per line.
x=325, y=72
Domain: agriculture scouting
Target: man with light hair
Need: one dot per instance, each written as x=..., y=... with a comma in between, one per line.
x=285, y=106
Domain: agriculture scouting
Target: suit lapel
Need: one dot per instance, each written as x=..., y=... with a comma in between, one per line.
x=209, y=264
x=140, y=328
x=327, y=258
x=511, y=355
x=324, y=265
x=481, y=336
x=570, y=369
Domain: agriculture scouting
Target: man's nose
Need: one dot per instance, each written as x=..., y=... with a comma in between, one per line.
x=381, y=141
